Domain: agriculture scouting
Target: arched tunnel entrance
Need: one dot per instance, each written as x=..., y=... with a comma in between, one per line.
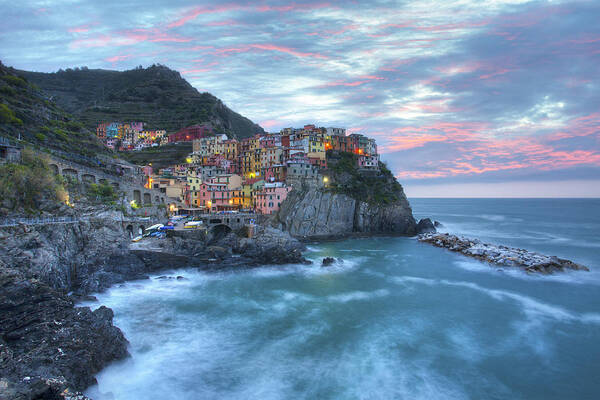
x=218, y=232
x=130, y=231
x=141, y=230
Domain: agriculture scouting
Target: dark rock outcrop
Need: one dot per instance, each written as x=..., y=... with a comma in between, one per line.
x=266, y=246
x=501, y=255
x=327, y=261
x=48, y=347
x=425, y=226
x=317, y=213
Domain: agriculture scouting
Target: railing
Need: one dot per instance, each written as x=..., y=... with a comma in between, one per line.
x=7, y=142
x=38, y=221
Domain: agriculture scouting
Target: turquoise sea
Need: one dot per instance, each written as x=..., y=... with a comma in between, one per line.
x=397, y=319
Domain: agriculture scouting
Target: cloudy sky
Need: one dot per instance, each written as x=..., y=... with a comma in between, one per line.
x=465, y=97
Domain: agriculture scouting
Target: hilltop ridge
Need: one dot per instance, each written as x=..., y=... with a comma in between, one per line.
x=156, y=95
x=28, y=114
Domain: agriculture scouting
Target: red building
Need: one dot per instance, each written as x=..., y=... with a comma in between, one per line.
x=190, y=133
x=101, y=130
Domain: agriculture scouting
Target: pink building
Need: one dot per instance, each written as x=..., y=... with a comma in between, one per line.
x=147, y=170
x=270, y=198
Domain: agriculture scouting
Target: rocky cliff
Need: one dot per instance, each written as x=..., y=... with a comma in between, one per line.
x=50, y=349
x=351, y=201
x=320, y=214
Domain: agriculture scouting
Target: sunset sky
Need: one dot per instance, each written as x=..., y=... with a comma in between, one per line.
x=465, y=98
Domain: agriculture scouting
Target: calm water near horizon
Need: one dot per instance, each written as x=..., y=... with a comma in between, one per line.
x=397, y=319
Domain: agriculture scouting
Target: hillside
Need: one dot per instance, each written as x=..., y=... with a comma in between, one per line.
x=28, y=113
x=156, y=95
x=160, y=157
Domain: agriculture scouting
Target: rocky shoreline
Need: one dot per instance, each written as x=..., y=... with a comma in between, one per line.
x=501, y=256
x=52, y=349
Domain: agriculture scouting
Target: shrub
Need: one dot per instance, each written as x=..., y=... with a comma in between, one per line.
x=7, y=116
x=15, y=80
x=40, y=136
x=102, y=192
x=28, y=184
x=8, y=90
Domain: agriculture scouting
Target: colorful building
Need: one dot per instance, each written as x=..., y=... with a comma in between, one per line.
x=270, y=198
x=190, y=133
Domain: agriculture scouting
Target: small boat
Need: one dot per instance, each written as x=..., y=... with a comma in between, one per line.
x=154, y=227
x=137, y=238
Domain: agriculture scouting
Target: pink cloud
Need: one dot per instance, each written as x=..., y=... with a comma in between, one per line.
x=193, y=13
x=498, y=72
x=118, y=58
x=82, y=28
x=269, y=47
x=270, y=123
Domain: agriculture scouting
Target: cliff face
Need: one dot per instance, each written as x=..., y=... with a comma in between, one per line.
x=72, y=257
x=317, y=213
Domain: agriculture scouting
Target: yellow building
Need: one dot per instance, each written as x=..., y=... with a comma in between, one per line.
x=194, y=181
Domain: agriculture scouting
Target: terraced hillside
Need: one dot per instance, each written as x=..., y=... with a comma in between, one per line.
x=156, y=95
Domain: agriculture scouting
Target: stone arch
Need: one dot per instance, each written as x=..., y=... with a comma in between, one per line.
x=220, y=231
x=54, y=169
x=156, y=199
x=88, y=178
x=129, y=230
x=147, y=198
x=141, y=229
x=70, y=172
x=137, y=196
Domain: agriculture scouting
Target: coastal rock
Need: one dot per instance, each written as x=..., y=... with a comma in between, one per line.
x=317, y=213
x=425, y=226
x=327, y=261
x=47, y=345
x=271, y=246
x=502, y=255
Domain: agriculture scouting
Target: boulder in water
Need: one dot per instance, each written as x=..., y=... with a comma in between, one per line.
x=425, y=226
x=327, y=261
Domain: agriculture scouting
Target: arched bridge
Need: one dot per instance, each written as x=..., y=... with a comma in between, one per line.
x=221, y=224
x=131, y=185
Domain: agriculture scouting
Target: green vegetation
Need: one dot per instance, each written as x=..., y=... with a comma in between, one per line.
x=371, y=186
x=7, y=116
x=160, y=157
x=156, y=95
x=103, y=193
x=15, y=80
x=26, y=186
x=28, y=115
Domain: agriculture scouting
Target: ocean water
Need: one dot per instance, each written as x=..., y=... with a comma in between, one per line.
x=397, y=319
